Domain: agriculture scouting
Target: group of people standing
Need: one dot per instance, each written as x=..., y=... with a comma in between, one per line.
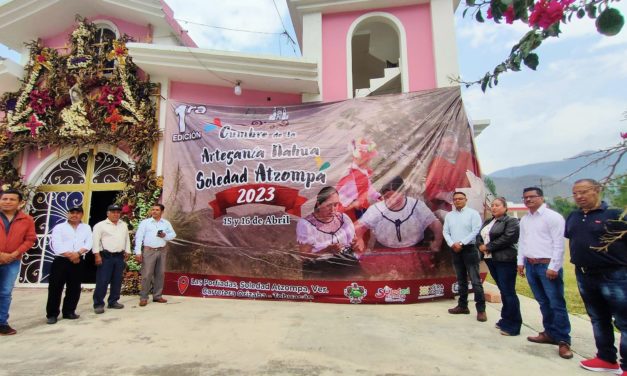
x=70, y=241
x=534, y=247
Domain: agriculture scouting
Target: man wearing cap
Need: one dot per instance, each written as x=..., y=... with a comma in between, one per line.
x=152, y=234
x=111, y=248
x=70, y=241
x=17, y=235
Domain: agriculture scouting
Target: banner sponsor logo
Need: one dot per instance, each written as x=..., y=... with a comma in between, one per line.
x=431, y=291
x=355, y=293
x=391, y=295
x=183, y=284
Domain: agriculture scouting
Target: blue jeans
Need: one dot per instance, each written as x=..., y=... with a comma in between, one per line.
x=466, y=264
x=504, y=273
x=109, y=272
x=550, y=296
x=605, y=296
x=8, y=275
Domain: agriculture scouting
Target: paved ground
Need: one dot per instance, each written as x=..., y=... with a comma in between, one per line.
x=195, y=336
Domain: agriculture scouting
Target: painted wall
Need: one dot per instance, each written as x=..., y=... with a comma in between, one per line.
x=219, y=95
x=139, y=32
x=416, y=20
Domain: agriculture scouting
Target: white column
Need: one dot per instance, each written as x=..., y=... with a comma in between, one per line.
x=444, y=42
x=312, y=48
x=163, y=110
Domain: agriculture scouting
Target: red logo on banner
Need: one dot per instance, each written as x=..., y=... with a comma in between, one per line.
x=265, y=194
x=183, y=284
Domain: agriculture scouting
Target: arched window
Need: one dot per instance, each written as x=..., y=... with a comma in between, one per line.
x=376, y=56
x=106, y=33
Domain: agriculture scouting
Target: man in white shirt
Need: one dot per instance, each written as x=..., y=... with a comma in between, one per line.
x=111, y=249
x=70, y=241
x=151, y=237
x=541, y=254
x=461, y=227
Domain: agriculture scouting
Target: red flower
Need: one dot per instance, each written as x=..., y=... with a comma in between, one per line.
x=114, y=119
x=623, y=135
x=40, y=100
x=33, y=125
x=547, y=12
x=110, y=97
x=509, y=14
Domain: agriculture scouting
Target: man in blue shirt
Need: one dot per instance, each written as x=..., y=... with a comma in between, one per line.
x=151, y=237
x=461, y=227
x=601, y=271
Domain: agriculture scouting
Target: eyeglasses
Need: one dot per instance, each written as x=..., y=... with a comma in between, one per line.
x=530, y=197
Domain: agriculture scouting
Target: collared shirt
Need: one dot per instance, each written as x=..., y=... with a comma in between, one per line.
x=111, y=237
x=147, y=234
x=66, y=238
x=585, y=231
x=461, y=226
x=398, y=228
x=7, y=223
x=542, y=236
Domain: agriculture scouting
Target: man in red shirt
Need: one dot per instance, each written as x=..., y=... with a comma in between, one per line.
x=17, y=235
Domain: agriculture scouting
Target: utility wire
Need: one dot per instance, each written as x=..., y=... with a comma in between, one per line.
x=229, y=28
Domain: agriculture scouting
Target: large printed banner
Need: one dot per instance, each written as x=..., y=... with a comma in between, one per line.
x=340, y=202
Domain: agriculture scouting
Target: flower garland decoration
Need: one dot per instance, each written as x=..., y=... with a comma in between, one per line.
x=75, y=100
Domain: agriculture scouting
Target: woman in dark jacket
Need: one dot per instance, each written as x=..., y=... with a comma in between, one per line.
x=497, y=243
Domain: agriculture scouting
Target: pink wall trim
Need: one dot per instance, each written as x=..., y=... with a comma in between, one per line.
x=219, y=95
x=140, y=33
x=420, y=60
x=182, y=33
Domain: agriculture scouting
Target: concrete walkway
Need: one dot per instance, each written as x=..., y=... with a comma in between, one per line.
x=195, y=336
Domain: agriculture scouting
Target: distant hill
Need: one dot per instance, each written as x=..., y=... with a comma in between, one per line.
x=547, y=175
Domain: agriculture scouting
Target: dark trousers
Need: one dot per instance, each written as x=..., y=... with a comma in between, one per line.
x=64, y=273
x=549, y=294
x=605, y=296
x=466, y=264
x=504, y=273
x=111, y=272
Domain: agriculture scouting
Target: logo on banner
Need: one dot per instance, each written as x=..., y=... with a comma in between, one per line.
x=183, y=284
x=392, y=295
x=355, y=293
x=455, y=287
x=433, y=291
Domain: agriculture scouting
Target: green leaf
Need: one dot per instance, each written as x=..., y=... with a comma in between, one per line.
x=470, y=2
x=464, y=12
x=531, y=61
x=591, y=10
x=581, y=13
x=479, y=17
x=610, y=22
x=484, y=83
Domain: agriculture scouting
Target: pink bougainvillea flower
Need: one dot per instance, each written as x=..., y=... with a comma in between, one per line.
x=40, y=100
x=110, y=97
x=546, y=13
x=623, y=135
x=509, y=14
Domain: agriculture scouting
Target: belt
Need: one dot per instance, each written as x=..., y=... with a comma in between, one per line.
x=534, y=261
x=599, y=270
x=106, y=253
x=147, y=248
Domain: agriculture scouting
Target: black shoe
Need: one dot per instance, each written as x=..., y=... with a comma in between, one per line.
x=71, y=316
x=116, y=305
x=6, y=330
x=51, y=320
x=99, y=310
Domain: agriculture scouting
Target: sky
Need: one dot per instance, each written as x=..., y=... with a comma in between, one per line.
x=574, y=102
